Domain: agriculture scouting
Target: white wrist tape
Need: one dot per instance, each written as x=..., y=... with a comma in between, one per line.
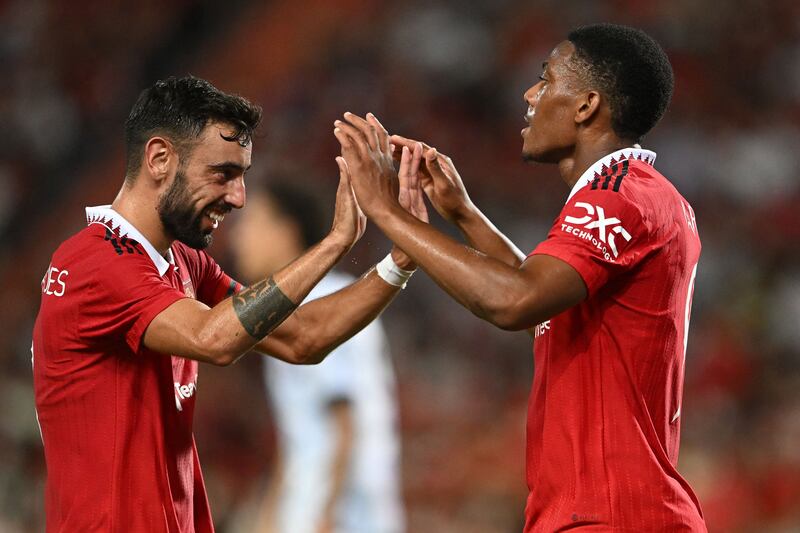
x=392, y=274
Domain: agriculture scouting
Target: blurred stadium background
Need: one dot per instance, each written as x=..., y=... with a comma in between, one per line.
x=451, y=73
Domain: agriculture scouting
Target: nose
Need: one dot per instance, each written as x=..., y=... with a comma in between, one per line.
x=531, y=93
x=235, y=195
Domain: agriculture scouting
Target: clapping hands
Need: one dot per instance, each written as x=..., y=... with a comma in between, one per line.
x=369, y=159
x=370, y=151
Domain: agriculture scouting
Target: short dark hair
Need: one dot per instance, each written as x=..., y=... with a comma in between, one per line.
x=301, y=205
x=631, y=69
x=179, y=109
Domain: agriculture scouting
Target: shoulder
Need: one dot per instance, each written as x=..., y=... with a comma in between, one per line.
x=631, y=188
x=109, y=255
x=97, y=265
x=97, y=242
x=625, y=181
x=605, y=201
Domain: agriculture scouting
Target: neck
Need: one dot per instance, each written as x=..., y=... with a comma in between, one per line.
x=141, y=213
x=585, y=154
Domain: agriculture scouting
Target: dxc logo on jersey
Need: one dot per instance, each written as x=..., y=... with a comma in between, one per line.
x=595, y=218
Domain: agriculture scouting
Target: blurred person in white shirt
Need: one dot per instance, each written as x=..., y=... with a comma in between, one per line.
x=339, y=447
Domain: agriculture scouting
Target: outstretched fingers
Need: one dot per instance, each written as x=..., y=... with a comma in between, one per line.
x=365, y=130
x=381, y=134
x=410, y=196
x=399, y=140
x=416, y=196
x=344, y=172
x=346, y=198
x=357, y=139
x=433, y=164
x=408, y=174
x=416, y=158
x=346, y=141
x=404, y=178
x=345, y=189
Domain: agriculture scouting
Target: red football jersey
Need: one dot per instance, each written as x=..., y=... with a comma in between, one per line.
x=604, y=412
x=116, y=418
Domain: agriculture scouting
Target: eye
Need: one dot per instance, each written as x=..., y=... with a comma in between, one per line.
x=224, y=174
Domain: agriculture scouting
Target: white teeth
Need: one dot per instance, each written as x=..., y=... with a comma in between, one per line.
x=529, y=113
x=216, y=217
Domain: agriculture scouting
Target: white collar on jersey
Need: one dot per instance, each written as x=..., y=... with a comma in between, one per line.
x=105, y=216
x=634, y=152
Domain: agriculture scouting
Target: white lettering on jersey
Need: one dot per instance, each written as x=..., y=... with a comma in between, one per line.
x=184, y=392
x=607, y=229
x=54, y=281
x=541, y=329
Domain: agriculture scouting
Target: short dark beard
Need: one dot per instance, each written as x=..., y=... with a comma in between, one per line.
x=178, y=216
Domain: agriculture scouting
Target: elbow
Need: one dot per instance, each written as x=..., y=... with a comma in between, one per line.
x=506, y=313
x=224, y=359
x=214, y=349
x=306, y=354
x=221, y=357
x=311, y=359
x=510, y=322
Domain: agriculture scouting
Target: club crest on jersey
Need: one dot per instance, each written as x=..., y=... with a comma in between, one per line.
x=595, y=219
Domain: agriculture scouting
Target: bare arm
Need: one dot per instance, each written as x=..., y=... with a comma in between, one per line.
x=222, y=334
x=445, y=189
x=319, y=326
x=484, y=236
x=507, y=296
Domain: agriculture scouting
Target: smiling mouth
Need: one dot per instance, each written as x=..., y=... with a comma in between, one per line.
x=528, y=116
x=216, y=215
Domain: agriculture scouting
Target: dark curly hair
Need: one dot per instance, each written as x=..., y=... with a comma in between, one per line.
x=630, y=69
x=179, y=109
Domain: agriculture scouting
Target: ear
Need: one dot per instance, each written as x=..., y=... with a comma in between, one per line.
x=160, y=158
x=588, y=107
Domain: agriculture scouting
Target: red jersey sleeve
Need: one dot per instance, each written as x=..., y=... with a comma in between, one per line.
x=214, y=285
x=125, y=294
x=600, y=233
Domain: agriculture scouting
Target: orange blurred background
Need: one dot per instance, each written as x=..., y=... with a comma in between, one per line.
x=453, y=74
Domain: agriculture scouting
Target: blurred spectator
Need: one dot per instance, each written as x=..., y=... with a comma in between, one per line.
x=339, y=446
x=307, y=61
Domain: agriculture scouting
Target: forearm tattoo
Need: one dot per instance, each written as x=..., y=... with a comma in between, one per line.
x=261, y=307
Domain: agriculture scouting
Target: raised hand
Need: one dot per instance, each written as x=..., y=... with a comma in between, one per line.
x=440, y=181
x=444, y=188
x=410, y=195
x=365, y=148
x=349, y=221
